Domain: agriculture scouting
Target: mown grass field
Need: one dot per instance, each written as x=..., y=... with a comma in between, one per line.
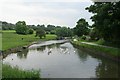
x=9, y=72
x=11, y=40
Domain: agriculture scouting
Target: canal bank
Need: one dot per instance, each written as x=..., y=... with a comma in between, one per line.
x=62, y=61
x=102, y=51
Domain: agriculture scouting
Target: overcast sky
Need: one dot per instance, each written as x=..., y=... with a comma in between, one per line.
x=56, y=12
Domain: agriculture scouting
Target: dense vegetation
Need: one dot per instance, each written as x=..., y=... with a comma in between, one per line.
x=64, y=32
x=106, y=20
x=82, y=28
x=10, y=72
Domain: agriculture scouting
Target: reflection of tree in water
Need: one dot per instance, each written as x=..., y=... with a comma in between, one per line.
x=41, y=48
x=58, y=45
x=22, y=54
x=107, y=70
x=82, y=55
x=51, y=46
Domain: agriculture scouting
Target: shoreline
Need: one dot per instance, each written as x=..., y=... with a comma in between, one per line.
x=98, y=53
x=21, y=48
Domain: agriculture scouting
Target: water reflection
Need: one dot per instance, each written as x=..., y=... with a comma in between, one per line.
x=23, y=54
x=64, y=61
x=42, y=48
x=82, y=55
x=107, y=69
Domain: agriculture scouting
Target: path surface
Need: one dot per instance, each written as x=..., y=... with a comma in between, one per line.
x=98, y=45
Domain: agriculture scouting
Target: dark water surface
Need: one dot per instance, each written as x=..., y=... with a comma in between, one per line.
x=62, y=61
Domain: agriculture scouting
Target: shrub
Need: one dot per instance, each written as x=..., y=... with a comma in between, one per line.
x=30, y=31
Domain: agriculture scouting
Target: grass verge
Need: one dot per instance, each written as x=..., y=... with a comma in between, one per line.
x=107, y=50
x=9, y=72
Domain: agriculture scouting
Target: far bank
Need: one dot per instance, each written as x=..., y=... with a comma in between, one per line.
x=107, y=52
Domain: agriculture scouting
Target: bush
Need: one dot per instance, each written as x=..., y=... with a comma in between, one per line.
x=83, y=37
x=30, y=31
x=47, y=32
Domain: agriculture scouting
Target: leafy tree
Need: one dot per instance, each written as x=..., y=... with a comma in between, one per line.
x=41, y=33
x=50, y=28
x=21, y=27
x=52, y=32
x=64, y=32
x=41, y=26
x=106, y=20
x=30, y=31
x=81, y=27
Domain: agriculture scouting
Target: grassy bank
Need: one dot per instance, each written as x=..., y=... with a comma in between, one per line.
x=9, y=72
x=115, y=52
x=11, y=40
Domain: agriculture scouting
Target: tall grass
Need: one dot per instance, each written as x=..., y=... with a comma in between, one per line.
x=15, y=72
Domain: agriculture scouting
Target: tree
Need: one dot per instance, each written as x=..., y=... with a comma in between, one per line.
x=81, y=27
x=106, y=20
x=41, y=26
x=50, y=28
x=64, y=32
x=41, y=33
x=7, y=26
x=21, y=27
x=30, y=31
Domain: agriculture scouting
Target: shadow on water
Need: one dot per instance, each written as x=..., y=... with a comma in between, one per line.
x=23, y=54
x=65, y=61
x=106, y=68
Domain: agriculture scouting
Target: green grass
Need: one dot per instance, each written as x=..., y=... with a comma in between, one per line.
x=108, y=50
x=11, y=40
x=9, y=72
x=0, y=41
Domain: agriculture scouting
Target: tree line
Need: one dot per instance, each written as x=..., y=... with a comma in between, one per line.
x=106, y=18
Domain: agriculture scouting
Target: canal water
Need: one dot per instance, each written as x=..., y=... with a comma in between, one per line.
x=62, y=61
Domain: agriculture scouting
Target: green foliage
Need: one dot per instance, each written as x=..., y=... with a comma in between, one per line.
x=83, y=37
x=50, y=28
x=30, y=31
x=21, y=27
x=7, y=26
x=9, y=72
x=107, y=20
x=64, y=32
x=94, y=35
x=41, y=33
x=41, y=27
x=81, y=28
x=52, y=32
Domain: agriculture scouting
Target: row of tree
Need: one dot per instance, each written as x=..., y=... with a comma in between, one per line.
x=106, y=25
x=7, y=26
x=41, y=30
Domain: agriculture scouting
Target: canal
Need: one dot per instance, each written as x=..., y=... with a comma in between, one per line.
x=62, y=60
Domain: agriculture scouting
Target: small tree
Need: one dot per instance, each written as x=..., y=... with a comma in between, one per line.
x=81, y=27
x=30, y=31
x=21, y=27
x=41, y=33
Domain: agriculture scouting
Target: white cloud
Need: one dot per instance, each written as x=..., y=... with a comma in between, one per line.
x=34, y=12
